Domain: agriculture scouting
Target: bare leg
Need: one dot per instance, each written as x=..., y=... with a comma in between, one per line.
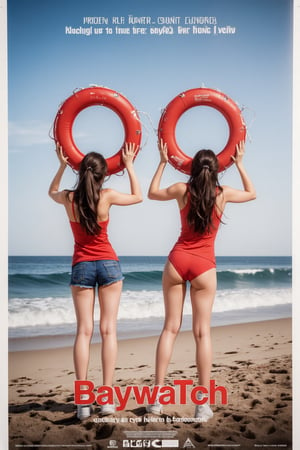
x=174, y=293
x=109, y=298
x=203, y=290
x=83, y=299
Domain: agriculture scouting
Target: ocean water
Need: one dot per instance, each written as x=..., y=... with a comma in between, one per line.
x=40, y=303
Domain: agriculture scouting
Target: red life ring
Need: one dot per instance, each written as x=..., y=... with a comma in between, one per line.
x=84, y=98
x=198, y=97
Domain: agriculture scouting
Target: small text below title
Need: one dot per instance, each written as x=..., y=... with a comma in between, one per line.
x=150, y=26
x=148, y=20
x=158, y=31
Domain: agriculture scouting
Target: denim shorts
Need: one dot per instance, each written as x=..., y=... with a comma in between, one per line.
x=89, y=273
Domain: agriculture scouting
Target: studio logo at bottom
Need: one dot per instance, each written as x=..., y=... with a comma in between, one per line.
x=188, y=444
x=150, y=443
x=151, y=439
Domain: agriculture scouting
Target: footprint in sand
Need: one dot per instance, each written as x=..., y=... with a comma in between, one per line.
x=244, y=395
x=249, y=434
x=269, y=381
x=237, y=417
x=271, y=430
x=255, y=402
x=88, y=425
x=199, y=438
x=244, y=363
x=285, y=396
x=104, y=431
x=281, y=405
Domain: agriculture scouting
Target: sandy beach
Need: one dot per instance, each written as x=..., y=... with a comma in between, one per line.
x=253, y=362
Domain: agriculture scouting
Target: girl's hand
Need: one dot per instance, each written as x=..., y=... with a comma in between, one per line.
x=128, y=153
x=240, y=152
x=163, y=150
x=60, y=154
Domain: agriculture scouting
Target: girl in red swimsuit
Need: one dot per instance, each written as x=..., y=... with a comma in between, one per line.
x=95, y=264
x=201, y=202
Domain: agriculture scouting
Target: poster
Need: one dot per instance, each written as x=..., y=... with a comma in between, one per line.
x=150, y=53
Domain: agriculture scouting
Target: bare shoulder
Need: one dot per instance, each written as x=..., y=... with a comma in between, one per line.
x=179, y=192
x=178, y=188
x=233, y=195
x=69, y=194
x=107, y=193
x=221, y=198
x=64, y=197
x=182, y=187
x=108, y=196
x=224, y=190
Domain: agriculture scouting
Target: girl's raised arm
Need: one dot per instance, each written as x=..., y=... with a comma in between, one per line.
x=171, y=192
x=54, y=192
x=118, y=198
x=236, y=195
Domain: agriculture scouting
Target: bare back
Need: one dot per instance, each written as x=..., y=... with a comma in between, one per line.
x=103, y=207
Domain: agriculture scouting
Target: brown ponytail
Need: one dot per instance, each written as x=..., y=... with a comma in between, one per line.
x=92, y=172
x=202, y=185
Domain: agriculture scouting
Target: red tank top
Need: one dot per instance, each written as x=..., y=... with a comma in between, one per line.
x=194, y=242
x=91, y=247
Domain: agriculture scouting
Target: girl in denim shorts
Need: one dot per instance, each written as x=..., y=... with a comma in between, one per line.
x=95, y=264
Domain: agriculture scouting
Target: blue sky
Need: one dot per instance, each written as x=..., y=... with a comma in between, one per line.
x=252, y=66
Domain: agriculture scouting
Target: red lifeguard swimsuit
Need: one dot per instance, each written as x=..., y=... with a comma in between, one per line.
x=91, y=247
x=194, y=253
